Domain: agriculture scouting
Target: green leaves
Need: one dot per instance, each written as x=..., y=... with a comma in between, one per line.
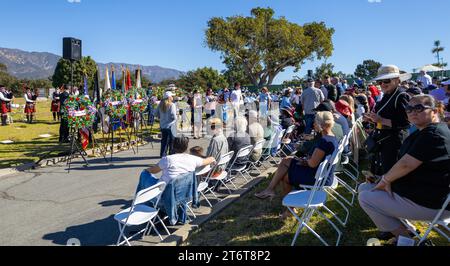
x=62, y=73
x=368, y=69
x=263, y=46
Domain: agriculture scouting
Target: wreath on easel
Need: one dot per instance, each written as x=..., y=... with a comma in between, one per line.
x=137, y=99
x=80, y=112
x=115, y=104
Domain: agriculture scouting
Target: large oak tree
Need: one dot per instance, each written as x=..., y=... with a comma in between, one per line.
x=265, y=46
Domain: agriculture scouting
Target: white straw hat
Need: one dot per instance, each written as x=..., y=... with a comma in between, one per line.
x=391, y=72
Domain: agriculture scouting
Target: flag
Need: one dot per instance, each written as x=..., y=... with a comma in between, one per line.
x=129, y=85
x=97, y=91
x=113, y=78
x=124, y=78
x=107, y=82
x=138, y=78
x=84, y=133
x=86, y=93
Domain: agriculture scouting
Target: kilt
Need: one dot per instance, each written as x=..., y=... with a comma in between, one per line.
x=56, y=106
x=30, y=108
x=8, y=106
x=3, y=108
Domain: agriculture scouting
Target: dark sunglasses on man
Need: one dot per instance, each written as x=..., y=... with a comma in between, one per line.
x=384, y=81
x=419, y=108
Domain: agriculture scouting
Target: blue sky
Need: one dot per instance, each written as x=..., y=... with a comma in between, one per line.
x=171, y=33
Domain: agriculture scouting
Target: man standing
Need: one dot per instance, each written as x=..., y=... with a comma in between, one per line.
x=310, y=99
x=425, y=79
x=64, y=126
x=236, y=99
x=332, y=90
x=4, y=100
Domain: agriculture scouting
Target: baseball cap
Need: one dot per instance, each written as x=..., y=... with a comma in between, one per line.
x=168, y=94
x=414, y=91
x=324, y=107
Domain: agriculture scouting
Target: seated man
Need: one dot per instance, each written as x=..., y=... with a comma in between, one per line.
x=418, y=184
x=218, y=144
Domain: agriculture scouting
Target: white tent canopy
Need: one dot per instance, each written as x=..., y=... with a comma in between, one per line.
x=430, y=68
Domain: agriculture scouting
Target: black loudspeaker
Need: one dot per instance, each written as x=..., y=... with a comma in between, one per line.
x=310, y=73
x=72, y=49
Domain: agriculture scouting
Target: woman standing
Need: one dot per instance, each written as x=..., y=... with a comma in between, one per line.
x=198, y=114
x=264, y=100
x=390, y=118
x=30, y=104
x=210, y=106
x=56, y=105
x=167, y=113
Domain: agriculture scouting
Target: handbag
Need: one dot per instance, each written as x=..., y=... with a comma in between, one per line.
x=373, y=142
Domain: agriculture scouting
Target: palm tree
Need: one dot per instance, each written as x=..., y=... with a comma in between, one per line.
x=436, y=50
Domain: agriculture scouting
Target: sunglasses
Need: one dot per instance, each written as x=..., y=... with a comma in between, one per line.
x=384, y=81
x=419, y=108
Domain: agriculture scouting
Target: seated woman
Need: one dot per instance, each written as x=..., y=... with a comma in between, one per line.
x=172, y=166
x=239, y=140
x=418, y=184
x=293, y=172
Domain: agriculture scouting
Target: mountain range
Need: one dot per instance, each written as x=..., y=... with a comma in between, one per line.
x=41, y=65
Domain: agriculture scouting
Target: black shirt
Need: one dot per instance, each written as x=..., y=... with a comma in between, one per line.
x=394, y=109
x=332, y=92
x=63, y=97
x=428, y=185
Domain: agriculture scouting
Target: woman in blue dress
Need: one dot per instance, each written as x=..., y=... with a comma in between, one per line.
x=293, y=172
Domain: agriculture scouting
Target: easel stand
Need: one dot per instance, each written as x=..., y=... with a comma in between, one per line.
x=102, y=150
x=75, y=148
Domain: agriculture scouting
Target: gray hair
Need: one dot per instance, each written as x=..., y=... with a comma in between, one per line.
x=241, y=124
x=426, y=99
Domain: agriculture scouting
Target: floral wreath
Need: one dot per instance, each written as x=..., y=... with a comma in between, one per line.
x=115, y=104
x=137, y=99
x=79, y=111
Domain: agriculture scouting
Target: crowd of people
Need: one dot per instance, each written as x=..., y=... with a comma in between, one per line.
x=407, y=122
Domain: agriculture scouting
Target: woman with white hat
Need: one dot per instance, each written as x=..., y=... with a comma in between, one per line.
x=390, y=118
x=167, y=113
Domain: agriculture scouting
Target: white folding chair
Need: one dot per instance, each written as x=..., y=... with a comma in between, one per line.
x=267, y=151
x=311, y=201
x=139, y=213
x=332, y=188
x=243, y=154
x=437, y=221
x=222, y=166
x=204, y=187
x=287, y=140
x=259, y=145
x=279, y=143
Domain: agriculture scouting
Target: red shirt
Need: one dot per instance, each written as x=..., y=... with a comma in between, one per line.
x=374, y=91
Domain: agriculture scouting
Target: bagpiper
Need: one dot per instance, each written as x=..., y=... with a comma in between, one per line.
x=4, y=101
x=30, y=104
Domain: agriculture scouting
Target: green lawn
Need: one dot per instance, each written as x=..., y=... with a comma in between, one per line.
x=28, y=146
x=254, y=222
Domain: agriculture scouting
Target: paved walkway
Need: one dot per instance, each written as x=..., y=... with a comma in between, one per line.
x=49, y=206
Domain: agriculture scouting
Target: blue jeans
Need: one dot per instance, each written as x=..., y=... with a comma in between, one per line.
x=166, y=142
x=309, y=123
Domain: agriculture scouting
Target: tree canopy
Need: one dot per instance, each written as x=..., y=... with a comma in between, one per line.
x=62, y=75
x=265, y=46
x=368, y=69
x=201, y=79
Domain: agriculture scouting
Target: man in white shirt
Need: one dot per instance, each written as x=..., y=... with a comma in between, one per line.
x=236, y=98
x=425, y=79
